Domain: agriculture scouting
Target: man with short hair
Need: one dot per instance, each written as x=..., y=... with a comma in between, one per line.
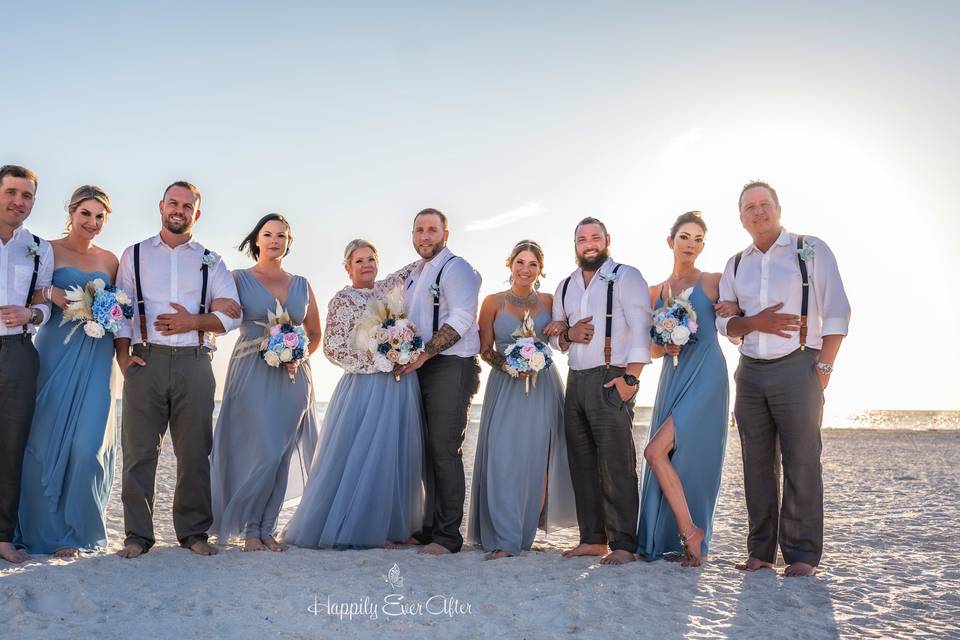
x=442, y=294
x=601, y=318
x=168, y=378
x=26, y=264
x=795, y=314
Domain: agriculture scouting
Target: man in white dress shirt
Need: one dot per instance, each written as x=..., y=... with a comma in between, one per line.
x=24, y=260
x=601, y=318
x=168, y=378
x=442, y=295
x=795, y=314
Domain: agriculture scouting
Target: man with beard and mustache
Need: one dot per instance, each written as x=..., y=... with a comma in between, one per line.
x=442, y=295
x=168, y=378
x=601, y=387
x=26, y=265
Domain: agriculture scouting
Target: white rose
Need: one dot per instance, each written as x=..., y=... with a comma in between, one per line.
x=381, y=363
x=286, y=354
x=404, y=357
x=680, y=336
x=271, y=358
x=537, y=362
x=99, y=283
x=122, y=297
x=93, y=329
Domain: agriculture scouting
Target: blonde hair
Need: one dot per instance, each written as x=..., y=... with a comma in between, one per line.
x=527, y=245
x=359, y=243
x=81, y=195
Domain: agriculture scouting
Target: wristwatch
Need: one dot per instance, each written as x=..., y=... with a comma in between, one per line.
x=632, y=381
x=36, y=316
x=825, y=368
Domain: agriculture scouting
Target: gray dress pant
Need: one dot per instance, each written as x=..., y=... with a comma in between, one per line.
x=603, y=458
x=175, y=388
x=779, y=405
x=19, y=366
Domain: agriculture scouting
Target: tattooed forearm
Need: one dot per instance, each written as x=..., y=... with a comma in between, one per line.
x=443, y=339
x=493, y=358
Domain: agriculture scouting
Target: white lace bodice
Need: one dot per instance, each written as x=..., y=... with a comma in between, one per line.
x=345, y=310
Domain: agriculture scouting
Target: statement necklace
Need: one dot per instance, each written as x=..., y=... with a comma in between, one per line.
x=524, y=302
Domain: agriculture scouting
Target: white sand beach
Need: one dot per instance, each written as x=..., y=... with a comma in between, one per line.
x=891, y=569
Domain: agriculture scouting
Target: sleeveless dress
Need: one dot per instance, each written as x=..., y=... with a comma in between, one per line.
x=521, y=449
x=68, y=466
x=367, y=485
x=696, y=394
x=266, y=434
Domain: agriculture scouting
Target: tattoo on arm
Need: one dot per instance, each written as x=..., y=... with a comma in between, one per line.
x=443, y=339
x=493, y=357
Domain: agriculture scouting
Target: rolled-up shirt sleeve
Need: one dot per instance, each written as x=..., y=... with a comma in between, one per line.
x=44, y=279
x=222, y=285
x=462, y=294
x=634, y=295
x=126, y=283
x=831, y=296
x=727, y=294
x=557, y=314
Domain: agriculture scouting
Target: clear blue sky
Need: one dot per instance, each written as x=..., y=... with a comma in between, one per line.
x=351, y=118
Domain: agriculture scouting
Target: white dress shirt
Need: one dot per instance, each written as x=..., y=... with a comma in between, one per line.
x=16, y=270
x=459, y=295
x=173, y=275
x=631, y=316
x=764, y=279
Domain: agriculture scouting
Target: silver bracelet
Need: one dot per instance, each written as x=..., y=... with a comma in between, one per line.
x=825, y=368
x=48, y=293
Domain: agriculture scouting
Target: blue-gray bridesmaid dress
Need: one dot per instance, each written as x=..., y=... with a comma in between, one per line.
x=266, y=433
x=696, y=393
x=521, y=451
x=68, y=466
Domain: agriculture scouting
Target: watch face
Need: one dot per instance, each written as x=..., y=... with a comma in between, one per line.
x=630, y=380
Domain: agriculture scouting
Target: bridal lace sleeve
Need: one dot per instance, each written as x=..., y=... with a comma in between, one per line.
x=344, y=311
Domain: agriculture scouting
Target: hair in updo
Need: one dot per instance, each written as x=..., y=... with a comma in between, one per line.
x=527, y=245
x=690, y=216
x=81, y=195
x=359, y=243
x=249, y=243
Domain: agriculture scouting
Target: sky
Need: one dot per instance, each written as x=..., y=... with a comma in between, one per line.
x=517, y=119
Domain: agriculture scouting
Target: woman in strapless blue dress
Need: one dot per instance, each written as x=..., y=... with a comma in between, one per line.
x=688, y=427
x=68, y=467
x=521, y=477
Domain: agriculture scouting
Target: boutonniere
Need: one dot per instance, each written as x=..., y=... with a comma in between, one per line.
x=435, y=290
x=209, y=260
x=609, y=277
x=806, y=253
x=33, y=250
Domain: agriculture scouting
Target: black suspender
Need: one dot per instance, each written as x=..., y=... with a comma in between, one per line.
x=804, y=282
x=608, y=337
x=563, y=298
x=142, y=307
x=33, y=279
x=436, y=296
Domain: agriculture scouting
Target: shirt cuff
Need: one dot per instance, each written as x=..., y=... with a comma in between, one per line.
x=638, y=354
x=834, y=327
x=722, y=325
x=229, y=324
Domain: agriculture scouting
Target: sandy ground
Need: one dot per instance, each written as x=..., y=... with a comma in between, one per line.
x=891, y=569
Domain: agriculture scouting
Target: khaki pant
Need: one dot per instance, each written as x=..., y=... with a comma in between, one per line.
x=176, y=389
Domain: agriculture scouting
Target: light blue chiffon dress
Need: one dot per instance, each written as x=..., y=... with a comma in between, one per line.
x=266, y=434
x=521, y=477
x=367, y=485
x=68, y=466
x=696, y=393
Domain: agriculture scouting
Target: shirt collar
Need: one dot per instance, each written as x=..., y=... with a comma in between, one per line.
x=158, y=241
x=782, y=240
x=441, y=257
x=605, y=268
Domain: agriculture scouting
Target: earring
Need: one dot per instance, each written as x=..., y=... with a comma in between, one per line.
x=511, y=278
x=536, y=285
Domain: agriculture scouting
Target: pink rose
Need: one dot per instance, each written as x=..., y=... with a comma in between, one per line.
x=669, y=324
x=527, y=351
x=116, y=312
x=275, y=329
x=393, y=356
x=291, y=340
x=692, y=326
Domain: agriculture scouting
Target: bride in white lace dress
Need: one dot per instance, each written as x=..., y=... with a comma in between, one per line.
x=366, y=486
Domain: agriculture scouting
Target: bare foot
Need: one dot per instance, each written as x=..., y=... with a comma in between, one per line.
x=411, y=541
x=497, y=554
x=273, y=545
x=799, y=569
x=131, y=550
x=203, y=548
x=692, y=541
x=11, y=554
x=434, y=549
x=252, y=544
x=586, y=550
x=66, y=553
x=618, y=556
x=752, y=564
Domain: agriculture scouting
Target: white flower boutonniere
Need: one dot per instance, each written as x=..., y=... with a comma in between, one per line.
x=609, y=277
x=806, y=253
x=33, y=250
x=435, y=290
x=209, y=259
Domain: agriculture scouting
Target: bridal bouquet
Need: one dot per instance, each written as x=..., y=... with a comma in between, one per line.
x=97, y=307
x=283, y=342
x=675, y=322
x=527, y=354
x=387, y=334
